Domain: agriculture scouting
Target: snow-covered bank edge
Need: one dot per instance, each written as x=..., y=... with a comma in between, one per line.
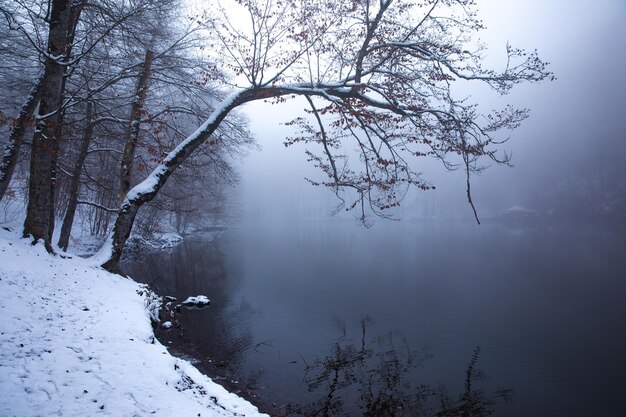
x=76, y=340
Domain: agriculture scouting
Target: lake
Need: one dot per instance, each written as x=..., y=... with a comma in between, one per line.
x=408, y=318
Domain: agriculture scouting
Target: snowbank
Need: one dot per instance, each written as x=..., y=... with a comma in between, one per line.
x=77, y=341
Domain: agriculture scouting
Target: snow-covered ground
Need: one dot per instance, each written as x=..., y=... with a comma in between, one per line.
x=77, y=341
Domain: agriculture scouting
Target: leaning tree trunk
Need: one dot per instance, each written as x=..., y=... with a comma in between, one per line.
x=145, y=191
x=39, y=223
x=72, y=203
x=16, y=137
x=132, y=131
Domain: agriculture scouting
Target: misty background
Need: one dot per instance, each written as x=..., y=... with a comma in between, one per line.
x=568, y=156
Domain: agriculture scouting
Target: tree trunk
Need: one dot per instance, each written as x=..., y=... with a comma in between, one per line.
x=149, y=188
x=132, y=131
x=39, y=223
x=111, y=253
x=58, y=138
x=179, y=222
x=68, y=219
x=16, y=137
x=74, y=15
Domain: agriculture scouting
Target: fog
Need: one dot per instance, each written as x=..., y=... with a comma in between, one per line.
x=568, y=156
x=543, y=299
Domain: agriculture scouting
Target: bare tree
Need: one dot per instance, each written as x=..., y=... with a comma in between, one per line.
x=39, y=221
x=19, y=69
x=132, y=131
x=16, y=137
x=74, y=186
x=167, y=90
x=382, y=70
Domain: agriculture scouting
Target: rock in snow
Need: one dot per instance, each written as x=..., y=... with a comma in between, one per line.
x=77, y=341
x=197, y=301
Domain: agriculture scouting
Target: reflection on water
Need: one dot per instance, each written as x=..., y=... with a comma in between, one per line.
x=545, y=302
x=373, y=378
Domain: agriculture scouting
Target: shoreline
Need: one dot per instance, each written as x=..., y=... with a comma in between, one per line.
x=178, y=345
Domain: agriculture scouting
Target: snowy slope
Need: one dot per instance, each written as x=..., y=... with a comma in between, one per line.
x=77, y=341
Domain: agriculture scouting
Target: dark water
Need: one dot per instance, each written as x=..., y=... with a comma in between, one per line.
x=410, y=318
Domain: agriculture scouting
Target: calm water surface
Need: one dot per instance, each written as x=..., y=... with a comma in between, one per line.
x=410, y=318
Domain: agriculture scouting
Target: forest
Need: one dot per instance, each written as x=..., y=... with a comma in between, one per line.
x=133, y=81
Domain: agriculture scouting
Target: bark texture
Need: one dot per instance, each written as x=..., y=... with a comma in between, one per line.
x=16, y=137
x=132, y=131
x=39, y=223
